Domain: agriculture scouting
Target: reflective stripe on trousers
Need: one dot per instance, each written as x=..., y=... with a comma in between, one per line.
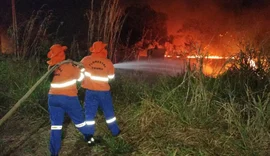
x=80, y=125
x=109, y=121
x=56, y=127
x=89, y=123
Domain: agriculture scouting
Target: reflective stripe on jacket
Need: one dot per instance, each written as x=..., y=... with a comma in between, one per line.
x=98, y=71
x=64, y=80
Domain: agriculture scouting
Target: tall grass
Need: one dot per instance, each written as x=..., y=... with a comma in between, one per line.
x=32, y=35
x=193, y=114
x=188, y=114
x=105, y=24
x=17, y=77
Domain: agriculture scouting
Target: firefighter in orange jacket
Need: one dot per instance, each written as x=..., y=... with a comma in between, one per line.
x=63, y=98
x=98, y=71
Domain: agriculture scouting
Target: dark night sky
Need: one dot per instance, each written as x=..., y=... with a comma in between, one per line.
x=177, y=10
x=172, y=7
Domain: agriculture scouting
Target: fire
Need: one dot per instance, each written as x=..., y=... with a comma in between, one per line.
x=213, y=65
x=208, y=57
x=5, y=44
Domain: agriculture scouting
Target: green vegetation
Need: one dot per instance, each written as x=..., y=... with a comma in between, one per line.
x=183, y=115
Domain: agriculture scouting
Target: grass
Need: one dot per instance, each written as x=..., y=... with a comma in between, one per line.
x=183, y=115
x=221, y=120
x=105, y=24
x=15, y=83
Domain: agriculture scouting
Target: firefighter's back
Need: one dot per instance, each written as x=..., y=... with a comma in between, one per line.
x=97, y=71
x=64, y=80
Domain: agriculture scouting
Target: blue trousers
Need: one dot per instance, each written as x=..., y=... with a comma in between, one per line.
x=58, y=106
x=102, y=99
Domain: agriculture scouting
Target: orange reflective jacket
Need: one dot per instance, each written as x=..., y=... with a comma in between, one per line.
x=98, y=69
x=64, y=80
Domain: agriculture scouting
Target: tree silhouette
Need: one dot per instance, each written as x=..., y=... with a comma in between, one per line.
x=145, y=23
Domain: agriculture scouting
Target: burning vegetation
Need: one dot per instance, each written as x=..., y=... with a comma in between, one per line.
x=190, y=113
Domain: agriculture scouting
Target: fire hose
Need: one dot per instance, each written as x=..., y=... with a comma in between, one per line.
x=29, y=92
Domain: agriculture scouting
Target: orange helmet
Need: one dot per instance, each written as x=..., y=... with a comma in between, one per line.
x=98, y=49
x=56, y=54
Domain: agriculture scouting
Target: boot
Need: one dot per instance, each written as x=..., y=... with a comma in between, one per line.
x=90, y=140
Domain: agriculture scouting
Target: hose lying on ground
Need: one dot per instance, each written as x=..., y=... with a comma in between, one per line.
x=29, y=92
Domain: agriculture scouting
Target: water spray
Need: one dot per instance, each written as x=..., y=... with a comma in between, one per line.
x=169, y=67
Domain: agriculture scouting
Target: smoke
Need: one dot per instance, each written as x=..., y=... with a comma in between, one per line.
x=216, y=24
x=220, y=13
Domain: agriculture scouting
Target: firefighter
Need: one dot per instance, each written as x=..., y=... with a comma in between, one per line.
x=98, y=71
x=63, y=98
